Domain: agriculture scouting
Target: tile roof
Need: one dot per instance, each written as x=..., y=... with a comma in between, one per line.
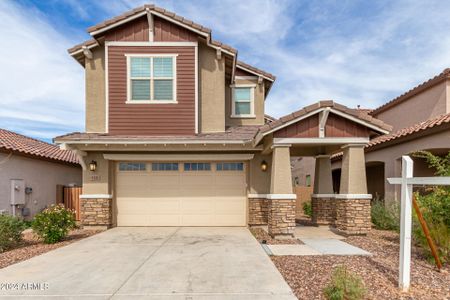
x=240, y=133
x=11, y=141
x=360, y=114
x=414, y=91
x=405, y=132
x=268, y=119
x=255, y=70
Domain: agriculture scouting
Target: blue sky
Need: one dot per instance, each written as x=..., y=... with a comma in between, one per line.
x=354, y=52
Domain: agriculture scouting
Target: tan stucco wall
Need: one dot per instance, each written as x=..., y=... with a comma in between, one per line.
x=353, y=174
x=428, y=104
x=41, y=176
x=211, y=90
x=302, y=168
x=259, y=105
x=259, y=181
x=391, y=157
x=281, y=179
x=95, y=91
x=100, y=181
x=323, y=184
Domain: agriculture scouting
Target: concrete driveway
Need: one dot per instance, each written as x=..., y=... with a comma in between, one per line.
x=152, y=262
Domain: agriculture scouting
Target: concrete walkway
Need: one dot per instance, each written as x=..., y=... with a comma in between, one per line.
x=319, y=240
x=152, y=263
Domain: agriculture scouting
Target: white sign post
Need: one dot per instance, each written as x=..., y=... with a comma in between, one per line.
x=407, y=181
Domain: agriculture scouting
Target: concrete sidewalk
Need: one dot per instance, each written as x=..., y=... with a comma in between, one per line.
x=153, y=263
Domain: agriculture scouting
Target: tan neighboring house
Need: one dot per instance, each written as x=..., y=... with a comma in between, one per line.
x=176, y=134
x=31, y=172
x=421, y=121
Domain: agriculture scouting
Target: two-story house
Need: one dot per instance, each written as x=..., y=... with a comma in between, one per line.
x=176, y=134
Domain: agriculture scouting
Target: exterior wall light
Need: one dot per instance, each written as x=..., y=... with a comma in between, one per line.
x=93, y=166
x=264, y=166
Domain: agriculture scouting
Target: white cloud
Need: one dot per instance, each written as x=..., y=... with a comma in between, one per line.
x=355, y=53
x=40, y=85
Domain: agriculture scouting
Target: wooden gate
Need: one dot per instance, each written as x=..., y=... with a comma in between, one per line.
x=71, y=198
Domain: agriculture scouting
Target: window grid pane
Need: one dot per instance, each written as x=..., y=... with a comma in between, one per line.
x=197, y=166
x=140, y=89
x=242, y=94
x=164, y=166
x=140, y=66
x=242, y=108
x=163, y=89
x=132, y=167
x=230, y=166
x=162, y=67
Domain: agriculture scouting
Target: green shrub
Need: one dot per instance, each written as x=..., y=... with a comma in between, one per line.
x=307, y=209
x=10, y=231
x=385, y=217
x=344, y=285
x=53, y=223
x=431, y=207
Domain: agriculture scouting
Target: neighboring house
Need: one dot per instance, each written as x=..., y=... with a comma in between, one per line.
x=421, y=121
x=176, y=133
x=31, y=172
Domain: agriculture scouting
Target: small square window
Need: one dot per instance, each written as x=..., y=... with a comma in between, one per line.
x=164, y=166
x=197, y=167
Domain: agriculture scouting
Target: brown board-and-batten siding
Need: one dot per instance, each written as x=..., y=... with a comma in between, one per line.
x=337, y=126
x=151, y=119
x=306, y=128
x=134, y=31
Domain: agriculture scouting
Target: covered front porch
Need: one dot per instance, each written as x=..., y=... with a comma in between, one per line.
x=319, y=130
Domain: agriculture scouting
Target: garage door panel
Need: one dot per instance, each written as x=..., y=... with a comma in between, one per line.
x=181, y=198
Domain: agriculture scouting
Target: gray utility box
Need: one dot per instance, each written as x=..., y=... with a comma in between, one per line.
x=17, y=192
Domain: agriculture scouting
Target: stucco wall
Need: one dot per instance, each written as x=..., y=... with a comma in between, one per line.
x=95, y=91
x=98, y=182
x=259, y=105
x=428, y=104
x=302, y=168
x=211, y=90
x=41, y=176
x=259, y=181
x=391, y=157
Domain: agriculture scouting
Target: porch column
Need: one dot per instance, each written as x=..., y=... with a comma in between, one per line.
x=323, y=198
x=353, y=202
x=281, y=218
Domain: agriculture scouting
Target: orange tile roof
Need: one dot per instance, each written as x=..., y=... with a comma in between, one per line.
x=11, y=141
x=414, y=91
x=405, y=132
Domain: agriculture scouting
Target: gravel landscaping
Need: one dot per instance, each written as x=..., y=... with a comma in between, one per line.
x=308, y=275
x=32, y=246
x=261, y=235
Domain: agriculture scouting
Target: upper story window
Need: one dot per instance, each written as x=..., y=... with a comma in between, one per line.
x=243, y=102
x=151, y=78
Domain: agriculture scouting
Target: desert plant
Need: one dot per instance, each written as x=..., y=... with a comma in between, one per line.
x=385, y=216
x=344, y=285
x=434, y=205
x=307, y=209
x=53, y=223
x=10, y=231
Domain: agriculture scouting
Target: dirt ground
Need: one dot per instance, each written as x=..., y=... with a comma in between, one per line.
x=32, y=246
x=308, y=275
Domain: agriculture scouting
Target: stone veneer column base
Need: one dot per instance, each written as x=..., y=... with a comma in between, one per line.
x=281, y=219
x=353, y=216
x=258, y=211
x=323, y=209
x=96, y=212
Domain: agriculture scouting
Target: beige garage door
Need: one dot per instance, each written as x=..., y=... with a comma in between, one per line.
x=181, y=194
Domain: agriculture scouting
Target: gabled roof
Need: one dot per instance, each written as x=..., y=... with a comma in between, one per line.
x=268, y=119
x=414, y=91
x=358, y=115
x=419, y=128
x=246, y=67
x=11, y=141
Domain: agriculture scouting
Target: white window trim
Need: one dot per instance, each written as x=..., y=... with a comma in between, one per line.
x=252, y=101
x=174, y=79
